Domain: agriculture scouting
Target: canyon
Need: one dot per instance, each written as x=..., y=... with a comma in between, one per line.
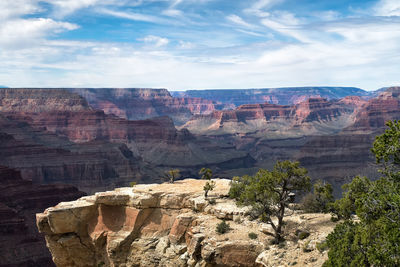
x=20, y=200
x=59, y=144
x=282, y=96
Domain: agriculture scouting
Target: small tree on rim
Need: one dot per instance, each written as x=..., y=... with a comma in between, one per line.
x=207, y=174
x=268, y=192
x=171, y=175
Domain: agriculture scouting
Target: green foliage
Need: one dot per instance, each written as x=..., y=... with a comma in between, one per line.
x=132, y=184
x=253, y=235
x=238, y=185
x=267, y=192
x=306, y=247
x=206, y=173
x=209, y=186
x=322, y=246
x=346, y=206
x=346, y=248
x=374, y=239
x=222, y=227
x=387, y=150
x=212, y=201
x=171, y=175
x=302, y=234
x=320, y=200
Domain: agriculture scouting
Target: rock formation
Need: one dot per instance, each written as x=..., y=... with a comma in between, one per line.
x=332, y=139
x=139, y=104
x=172, y=225
x=282, y=96
x=20, y=243
x=312, y=116
x=78, y=145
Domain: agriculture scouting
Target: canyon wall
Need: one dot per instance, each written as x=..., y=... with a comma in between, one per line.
x=20, y=244
x=95, y=151
x=332, y=139
x=139, y=104
x=283, y=96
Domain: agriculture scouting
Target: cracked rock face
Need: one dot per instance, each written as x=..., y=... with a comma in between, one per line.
x=152, y=225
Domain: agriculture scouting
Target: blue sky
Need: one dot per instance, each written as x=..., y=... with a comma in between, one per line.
x=197, y=44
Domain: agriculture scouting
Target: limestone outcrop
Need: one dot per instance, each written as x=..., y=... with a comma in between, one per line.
x=168, y=225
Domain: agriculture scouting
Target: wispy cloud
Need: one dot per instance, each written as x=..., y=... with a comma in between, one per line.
x=387, y=8
x=260, y=7
x=180, y=45
x=239, y=21
x=133, y=16
x=157, y=41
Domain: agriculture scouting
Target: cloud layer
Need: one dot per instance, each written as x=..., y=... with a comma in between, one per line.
x=188, y=44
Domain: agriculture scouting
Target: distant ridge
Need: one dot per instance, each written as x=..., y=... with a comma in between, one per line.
x=281, y=96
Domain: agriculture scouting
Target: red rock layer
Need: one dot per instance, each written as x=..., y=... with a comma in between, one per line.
x=311, y=110
x=138, y=104
x=20, y=243
x=377, y=111
x=91, y=149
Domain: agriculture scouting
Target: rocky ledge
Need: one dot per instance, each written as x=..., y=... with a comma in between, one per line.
x=173, y=225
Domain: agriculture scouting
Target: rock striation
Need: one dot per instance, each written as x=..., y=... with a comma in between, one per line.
x=282, y=96
x=170, y=225
x=312, y=116
x=20, y=243
x=140, y=104
x=94, y=151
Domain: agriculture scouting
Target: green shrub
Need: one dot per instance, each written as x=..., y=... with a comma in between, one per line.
x=322, y=246
x=222, y=227
x=302, y=234
x=132, y=184
x=305, y=246
x=212, y=201
x=253, y=235
x=320, y=200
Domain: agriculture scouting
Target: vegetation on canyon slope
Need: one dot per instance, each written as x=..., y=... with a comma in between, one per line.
x=369, y=232
x=269, y=193
x=373, y=239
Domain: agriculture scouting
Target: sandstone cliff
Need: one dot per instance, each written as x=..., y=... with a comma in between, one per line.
x=62, y=139
x=20, y=243
x=172, y=225
x=312, y=116
x=139, y=104
x=282, y=96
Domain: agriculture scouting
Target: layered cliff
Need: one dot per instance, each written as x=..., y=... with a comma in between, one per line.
x=281, y=96
x=20, y=243
x=312, y=116
x=172, y=225
x=139, y=104
x=96, y=151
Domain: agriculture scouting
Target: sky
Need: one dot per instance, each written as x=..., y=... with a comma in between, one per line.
x=199, y=44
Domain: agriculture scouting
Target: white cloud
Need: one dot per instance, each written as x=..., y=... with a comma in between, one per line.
x=172, y=12
x=239, y=21
x=25, y=32
x=387, y=8
x=157, y=41
x=133, y=16
x=356, y=52
x=15, y=8
x=259, y=7
x=65, y=7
